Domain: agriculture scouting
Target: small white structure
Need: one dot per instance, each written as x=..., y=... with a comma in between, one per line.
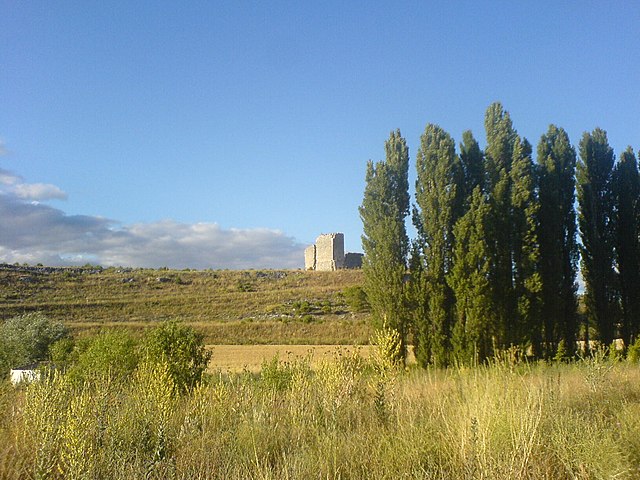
x=25, y=375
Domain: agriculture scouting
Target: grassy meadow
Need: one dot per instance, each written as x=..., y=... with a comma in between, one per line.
x=289, y=395
x=346, y=418
x=229, y=307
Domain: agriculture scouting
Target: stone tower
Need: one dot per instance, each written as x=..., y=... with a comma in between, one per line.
x=327, y=254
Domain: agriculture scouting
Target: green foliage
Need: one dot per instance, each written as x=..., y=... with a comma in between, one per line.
x=278, y=375
x=501, y=138
x=615, y=354
x=474, y=333
x=110, y=354
x=472, y=160
x=326, y=307
x=307, y=318
x=302, y=307
x=633, y=352
x=61, y=352
x=557, y=236
x=526, y=326
x=183, y=350
x=245, y=285
x=26, y=339
x=356, y=299
x=626, y=191
x=439, y=197
x=597, y=227
x=562, y=352
x=384, y=208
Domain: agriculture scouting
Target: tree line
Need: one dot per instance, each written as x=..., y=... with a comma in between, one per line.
x=495, y=260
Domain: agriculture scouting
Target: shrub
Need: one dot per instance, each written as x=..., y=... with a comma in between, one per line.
x=326, y=307
x=356, y=299
x=307, y=318
x=561, y=353
x=61, y=351
x=26, y=339
x=388, y=353
x=112, y=354
x=182, y=348
x=633, y=353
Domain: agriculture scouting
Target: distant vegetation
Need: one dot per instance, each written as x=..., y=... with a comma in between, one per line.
x=228, y=307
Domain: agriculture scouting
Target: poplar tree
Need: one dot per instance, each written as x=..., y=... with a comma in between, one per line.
x=498, y=157
x=557, y=236
x=417, y=303
x=474, y=331
x=596, y=221
x=627, y=211
x=472, y=160
x=439, y=199
x=524, y=217
x=383, y=211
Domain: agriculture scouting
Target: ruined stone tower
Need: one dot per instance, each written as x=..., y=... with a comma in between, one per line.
x=327, y=254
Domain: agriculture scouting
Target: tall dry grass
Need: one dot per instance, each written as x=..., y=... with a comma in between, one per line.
x=291, y=421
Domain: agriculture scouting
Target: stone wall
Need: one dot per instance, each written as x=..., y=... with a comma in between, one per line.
x=353, y=260
x=330, y=251
x=310, y=257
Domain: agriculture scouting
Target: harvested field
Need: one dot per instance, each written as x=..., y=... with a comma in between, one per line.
x=236, y=358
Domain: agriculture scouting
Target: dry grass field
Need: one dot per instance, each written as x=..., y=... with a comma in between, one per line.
x=345, y=419
x=238, y=358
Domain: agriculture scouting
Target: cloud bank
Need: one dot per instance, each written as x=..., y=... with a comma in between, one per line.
x=33, y=232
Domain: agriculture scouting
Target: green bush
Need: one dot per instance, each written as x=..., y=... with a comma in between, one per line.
x=356, y=299
x=633, y=353
x=111, y=354
x=307, y=318
x=61, y=352
x=26, y=339
x=182, y=348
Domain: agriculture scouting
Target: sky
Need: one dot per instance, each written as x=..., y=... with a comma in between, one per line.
x=230, y=134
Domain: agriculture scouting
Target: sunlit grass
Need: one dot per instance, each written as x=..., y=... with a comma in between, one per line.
x=298, y=419
x=229, y=307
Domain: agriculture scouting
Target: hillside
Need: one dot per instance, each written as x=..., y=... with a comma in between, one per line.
x=230, y=307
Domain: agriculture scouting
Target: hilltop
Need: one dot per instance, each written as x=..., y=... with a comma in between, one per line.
x=230, y=307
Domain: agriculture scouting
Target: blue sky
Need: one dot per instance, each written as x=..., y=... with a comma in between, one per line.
x=230, y=134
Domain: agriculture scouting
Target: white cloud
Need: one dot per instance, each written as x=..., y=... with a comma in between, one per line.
x=38, y=233
x=39, y=191
x=8, y=178
x=13, y=184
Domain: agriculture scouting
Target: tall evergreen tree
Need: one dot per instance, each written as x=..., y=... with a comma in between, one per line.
x=627, y=208
x=383, y=211
x=473, y=333
x=439, y=199
x=498, y=157
x=418, y=304
x=596, y=221
x=557, y=235
x=524, y=217
x=472, y=160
